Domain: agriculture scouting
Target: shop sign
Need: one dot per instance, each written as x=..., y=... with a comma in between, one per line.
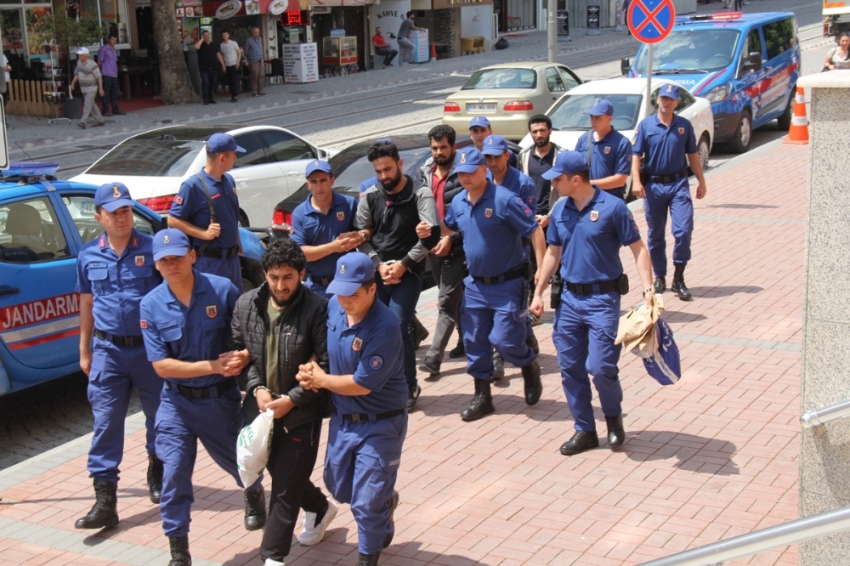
x=443, y=4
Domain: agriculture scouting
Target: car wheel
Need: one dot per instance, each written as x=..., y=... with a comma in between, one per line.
x=784, y=121
x=743, y=134
x=243, y=220
x=703, y=149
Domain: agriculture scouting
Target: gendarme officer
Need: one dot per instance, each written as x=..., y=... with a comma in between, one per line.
x=610, y=154
x=114, y=272
x=667, y=144
x=586, y=231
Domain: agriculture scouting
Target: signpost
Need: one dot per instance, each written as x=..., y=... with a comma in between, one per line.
x=650, y=21
x=593, y=17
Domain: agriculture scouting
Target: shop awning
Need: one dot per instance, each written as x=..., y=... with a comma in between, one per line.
x=232, y=8
x=346, y=3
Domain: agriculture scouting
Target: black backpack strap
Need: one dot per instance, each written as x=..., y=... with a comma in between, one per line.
x=206, y=244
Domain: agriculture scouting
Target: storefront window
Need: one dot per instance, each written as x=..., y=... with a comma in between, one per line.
x=13, y=31
x=32, y=16
x=521, y=14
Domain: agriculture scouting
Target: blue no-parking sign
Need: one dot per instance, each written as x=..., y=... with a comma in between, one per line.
x=650, y=21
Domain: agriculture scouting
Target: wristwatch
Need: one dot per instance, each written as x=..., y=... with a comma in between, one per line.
x=365, y=234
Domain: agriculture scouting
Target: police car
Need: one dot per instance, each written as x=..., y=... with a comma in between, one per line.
x=746, y=65
x=43, y=224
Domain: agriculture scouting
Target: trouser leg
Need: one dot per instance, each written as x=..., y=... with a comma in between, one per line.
x=148, y=386
x=569, y=334
x=656, y=203
x=449, y=275
x=402, y=298
x=477, y=323
x=682, y=220
x=177, y=447
x=511, y=325
x=602, y=320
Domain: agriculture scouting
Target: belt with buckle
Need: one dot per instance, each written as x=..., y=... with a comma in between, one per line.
x=363, y=417
x=192, y=393
x=321, y=281
x=507, y=276
x=592, y=288
x=218, y=253
x=669, y=178
x=119, y=340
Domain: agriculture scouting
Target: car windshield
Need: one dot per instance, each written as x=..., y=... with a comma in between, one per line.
x=164, y=156
x=569, y=114
x=502, y=78
x=690, y=51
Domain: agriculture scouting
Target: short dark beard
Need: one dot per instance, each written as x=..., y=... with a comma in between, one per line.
x=392, y=183
x=286, y=303
x=543, y=143
x=443, y=161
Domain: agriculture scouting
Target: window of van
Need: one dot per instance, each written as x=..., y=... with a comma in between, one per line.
x=752, y=45
x=691, y=51
x=779, y=36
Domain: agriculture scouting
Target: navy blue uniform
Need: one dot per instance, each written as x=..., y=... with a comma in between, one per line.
x=198, y=332
x=521, y=185
x=665, y=152
x=611, y=155
x=312, y=228
x=363, y=458
x=586, y=325
x=493, y=315
x=221, y=256
x=117, y=285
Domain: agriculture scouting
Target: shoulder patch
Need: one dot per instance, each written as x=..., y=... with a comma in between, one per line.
x=143, y=324
x=376, y=362
x=178, y=200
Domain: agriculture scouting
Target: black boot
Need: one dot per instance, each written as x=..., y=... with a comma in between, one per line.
x=679, y=286
x=457, y=352
x=616, y=432
x=430, y=365
x=659, y=286
x=154, y=478
x=104, y=513
x=388, y=540
x=533, y=343
x=582, y=440
x=418, y=332
x=498, y=367
x=255, y=509
x=482, y=403
x=179, y=551
x=533, y=385
x=369, y=559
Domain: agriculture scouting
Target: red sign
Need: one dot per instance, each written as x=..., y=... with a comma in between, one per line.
x=35, y=312
x=650, y=21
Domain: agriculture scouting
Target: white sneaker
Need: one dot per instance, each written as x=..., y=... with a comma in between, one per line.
x=270, y=562
x=313, y=533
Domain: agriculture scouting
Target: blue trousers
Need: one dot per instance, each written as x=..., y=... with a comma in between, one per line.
x=115, y=371
x=227, y=268
x=180, y=423
x=402, y=298
x=495, y=316
x=584, y=332
x=361, y=467
x=675, y=197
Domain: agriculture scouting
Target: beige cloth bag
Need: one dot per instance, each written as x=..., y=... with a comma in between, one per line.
x=636, y=331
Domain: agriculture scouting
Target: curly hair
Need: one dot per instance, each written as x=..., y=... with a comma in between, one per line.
x=283, y=252
x=442, y=132
x=382, y=149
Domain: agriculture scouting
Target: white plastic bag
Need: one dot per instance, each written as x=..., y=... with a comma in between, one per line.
x=253, y=447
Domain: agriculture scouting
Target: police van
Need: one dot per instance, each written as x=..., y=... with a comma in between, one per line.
x=746, y=65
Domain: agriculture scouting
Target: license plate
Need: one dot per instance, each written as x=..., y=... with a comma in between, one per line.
x=481, y=107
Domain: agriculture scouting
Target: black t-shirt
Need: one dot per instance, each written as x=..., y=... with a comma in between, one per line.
x=536, y=167
x=207, y=56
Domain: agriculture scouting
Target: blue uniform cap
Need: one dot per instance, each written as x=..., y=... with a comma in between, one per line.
x=468, y=160
x=352, y=270
x=566, y=162
x=219, y=143
x=601, y=108
x=113, y=196
x=384, y=140
x=479, y=121
x=170, y=242
x=319, y=165
x=670, y=91
x=495, y=145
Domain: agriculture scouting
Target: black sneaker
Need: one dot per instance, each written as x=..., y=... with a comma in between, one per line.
x=412, y=396
x=457, y=352
x=430, y=365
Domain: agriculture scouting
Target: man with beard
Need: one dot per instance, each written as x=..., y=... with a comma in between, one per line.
x=323, y=225
x=283, y=324
x=610, y=158
x=390, y=211
x=437, y=174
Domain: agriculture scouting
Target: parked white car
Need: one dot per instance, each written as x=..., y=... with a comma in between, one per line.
x=154, y=164
x=628, y=96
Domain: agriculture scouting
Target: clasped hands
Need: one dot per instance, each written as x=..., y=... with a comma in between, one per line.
x=311, y=376
x=231, y=364
x=347, y=241
x=443, y=248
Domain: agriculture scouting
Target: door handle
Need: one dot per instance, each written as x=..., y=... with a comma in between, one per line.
x=9, y=291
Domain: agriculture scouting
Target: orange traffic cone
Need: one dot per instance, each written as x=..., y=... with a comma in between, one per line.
x=799, y=131
x=433, y=52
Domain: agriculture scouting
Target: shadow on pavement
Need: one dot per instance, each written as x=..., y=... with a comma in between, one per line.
x=692, y=453
x=718, y=292
x=742, y=206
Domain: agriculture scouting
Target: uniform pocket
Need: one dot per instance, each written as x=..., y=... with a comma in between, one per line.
x=171, y=330
x=98, y=276
x=213, y=323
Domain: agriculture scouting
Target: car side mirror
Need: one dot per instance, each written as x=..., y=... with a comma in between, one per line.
x=754, y=61
x=625, y=65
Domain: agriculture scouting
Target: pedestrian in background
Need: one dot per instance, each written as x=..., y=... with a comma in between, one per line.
x=403, y=39
x=114, y=272
x=839, y=56
x=107, y=61
x=369, y=392
x=208, y=63
x=256, y=62
x=88, y=75
x=379, y=43
x=191, y=55
x=230, y=55
x=186, y=327
x=283, y=325
x=588, y=228
x=667, y=144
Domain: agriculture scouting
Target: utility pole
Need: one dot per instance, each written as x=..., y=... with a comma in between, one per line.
x=552, y=29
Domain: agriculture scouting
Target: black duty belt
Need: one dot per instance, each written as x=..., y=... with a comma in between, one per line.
x=119, y=340
x=192, y=393
x=507, y=276
x=669, y=178
x=321, y=281
x=592, y=288
x=218, y=253
x=363, y=417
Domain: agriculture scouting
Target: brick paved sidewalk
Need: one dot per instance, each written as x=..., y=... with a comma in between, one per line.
x=711, y=457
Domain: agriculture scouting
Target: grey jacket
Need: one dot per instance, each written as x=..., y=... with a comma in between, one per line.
x=525, y=155
x=303, y=333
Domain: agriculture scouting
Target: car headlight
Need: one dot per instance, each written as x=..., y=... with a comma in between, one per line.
x=717, y=94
